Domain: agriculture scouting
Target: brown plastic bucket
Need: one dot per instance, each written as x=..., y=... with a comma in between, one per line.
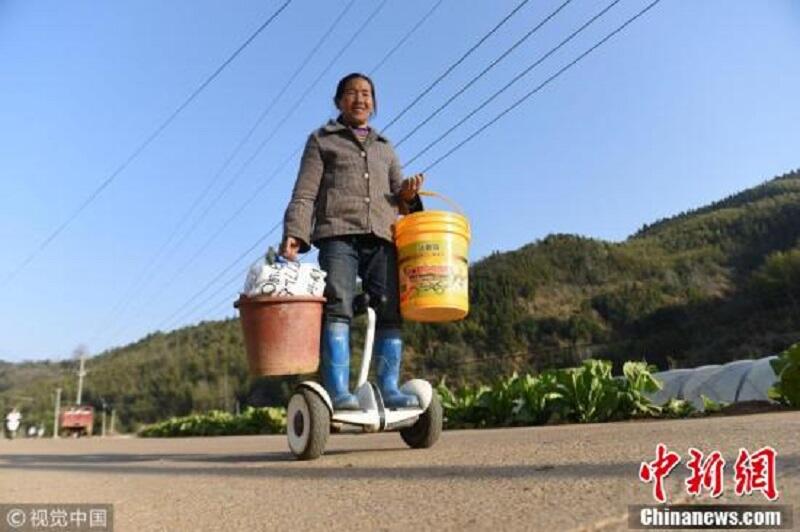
x=281, y=334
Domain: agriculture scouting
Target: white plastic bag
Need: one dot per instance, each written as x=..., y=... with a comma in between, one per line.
x=284, y=279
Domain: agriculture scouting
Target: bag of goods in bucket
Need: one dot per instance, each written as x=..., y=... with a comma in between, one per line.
x=281, y=278
x=280, y=310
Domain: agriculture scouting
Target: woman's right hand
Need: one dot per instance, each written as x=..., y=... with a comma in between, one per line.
x=290, y=248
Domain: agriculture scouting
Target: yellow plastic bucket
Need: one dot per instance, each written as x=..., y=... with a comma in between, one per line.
x=433, y=264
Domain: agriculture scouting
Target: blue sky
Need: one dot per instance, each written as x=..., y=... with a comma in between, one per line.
x=692, y=102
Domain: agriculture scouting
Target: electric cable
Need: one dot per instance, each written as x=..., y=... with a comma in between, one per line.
x=155, y=134
x=551, y=78
x=145, y=274
x=454, y=65
x=258, y=242
x=261, y=146
x=229, y=184
x=541, y=86
x=233, y=263
x=230, y=219
x=219, y=305
x=514, y=80
x=283, y=121
x=441, y=77
x=402, y=41
x=483, y=72
x=255, y=194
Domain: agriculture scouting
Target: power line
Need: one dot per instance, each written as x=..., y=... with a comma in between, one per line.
x=513, y=81
x=284, y=120
x=369, y=19
x=251, y=198
x=402, y=41
x=228, y=268
x=542, y=85
x=261, y=118
x=567, y=40
x=263, y=144
x=138, y=284
x=562, y=70
x=218, y=305
x=454, y=65
x=484, y=71
x=143, y=146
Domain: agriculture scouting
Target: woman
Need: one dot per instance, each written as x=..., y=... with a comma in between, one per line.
x=348, y=194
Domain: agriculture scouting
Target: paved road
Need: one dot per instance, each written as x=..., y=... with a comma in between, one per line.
x=548, y=478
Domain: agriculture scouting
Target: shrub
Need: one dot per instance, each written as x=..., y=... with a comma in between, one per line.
x=787, y=368
x=218, y=423
x=588, y=393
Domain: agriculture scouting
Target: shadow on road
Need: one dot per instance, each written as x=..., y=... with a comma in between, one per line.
x=282, y=465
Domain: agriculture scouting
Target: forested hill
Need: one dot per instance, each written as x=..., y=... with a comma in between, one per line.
x=706, y=286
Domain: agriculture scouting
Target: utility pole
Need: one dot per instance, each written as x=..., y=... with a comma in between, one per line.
x=103, y=431
x=225, y=390
x=81, y=374
x=58, y=408
x=113, y=418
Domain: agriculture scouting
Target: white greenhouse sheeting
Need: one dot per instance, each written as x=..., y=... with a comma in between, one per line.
x=742, y=380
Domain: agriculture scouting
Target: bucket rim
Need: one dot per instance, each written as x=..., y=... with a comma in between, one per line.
x=436, y=212
x=442, y=217
x=244, y=299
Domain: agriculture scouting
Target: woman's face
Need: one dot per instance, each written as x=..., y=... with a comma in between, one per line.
x=356, y=102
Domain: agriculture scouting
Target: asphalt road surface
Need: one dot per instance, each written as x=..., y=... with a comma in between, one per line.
x=571, y=477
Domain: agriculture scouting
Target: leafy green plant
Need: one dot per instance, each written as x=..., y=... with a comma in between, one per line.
x=499, y=403
x=218, y=423
x=638, y=382
x=588, y=393
x=787, y=368
x=676, y=408
x=462, y=407
x=534, y=404
x=711, y=406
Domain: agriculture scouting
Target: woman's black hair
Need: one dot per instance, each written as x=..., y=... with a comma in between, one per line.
x=343, y=84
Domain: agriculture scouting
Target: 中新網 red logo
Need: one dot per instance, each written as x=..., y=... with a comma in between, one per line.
x=752, y=472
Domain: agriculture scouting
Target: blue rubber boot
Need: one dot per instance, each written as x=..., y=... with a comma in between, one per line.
x=336, y=365
x=389, y=347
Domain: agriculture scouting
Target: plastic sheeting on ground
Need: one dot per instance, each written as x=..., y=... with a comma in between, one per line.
x=742, y=380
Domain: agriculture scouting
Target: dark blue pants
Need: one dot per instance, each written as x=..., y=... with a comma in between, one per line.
x=366, y=256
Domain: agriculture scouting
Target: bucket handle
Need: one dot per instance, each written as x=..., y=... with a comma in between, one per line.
x=442, y=197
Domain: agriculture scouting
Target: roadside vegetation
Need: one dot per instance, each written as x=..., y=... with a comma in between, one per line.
x=585, y=394
x=787, y=368
x=218, y=423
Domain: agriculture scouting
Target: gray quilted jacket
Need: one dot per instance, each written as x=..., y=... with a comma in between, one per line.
x=344, y=187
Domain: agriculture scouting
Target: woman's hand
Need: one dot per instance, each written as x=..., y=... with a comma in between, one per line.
x=290, y=248
x=411, y=186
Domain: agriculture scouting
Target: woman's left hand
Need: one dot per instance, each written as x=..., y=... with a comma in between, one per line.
x=411, y=186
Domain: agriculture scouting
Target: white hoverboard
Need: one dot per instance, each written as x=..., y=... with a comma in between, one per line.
x=310, y=411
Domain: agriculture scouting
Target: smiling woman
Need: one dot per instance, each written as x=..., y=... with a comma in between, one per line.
x=348, y=195
x=355, y=98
